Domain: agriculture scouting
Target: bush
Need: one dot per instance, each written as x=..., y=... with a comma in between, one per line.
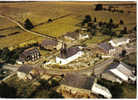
x=50, y=20
x=120, y=35
x=114, y=88
x=121, y=22
x=28, y=24
x=99, y=7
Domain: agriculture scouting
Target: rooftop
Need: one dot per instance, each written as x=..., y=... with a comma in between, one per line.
x=68, y=52
x=122, y=67
x=25, y=68
x=50, y=42
x=30, y=51
x=78, y=81
x=105, y=46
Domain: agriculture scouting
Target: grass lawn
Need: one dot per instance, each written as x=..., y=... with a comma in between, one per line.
x=97, y=39
x=58, y=27
x=40, y=12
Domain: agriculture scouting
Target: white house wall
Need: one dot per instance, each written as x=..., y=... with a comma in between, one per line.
x=83, y=36
x=98, y=89
x=21, y=75
x=119, y=43
x=62, y=61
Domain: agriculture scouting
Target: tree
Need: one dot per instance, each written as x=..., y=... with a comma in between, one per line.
x=5, y=53
x=54, y=94
x=111, y=21
x=123, y=53
x=87, y=18
x=50, y=20
x=54, y=83
x=6, y=91
x=120, y=35
x=135, y=28
x=121, y=22
x=95, y=19
x=28, y=24
x=124, y=31
x=99, y=7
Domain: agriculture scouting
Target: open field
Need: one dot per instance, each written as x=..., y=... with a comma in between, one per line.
x=40, y=12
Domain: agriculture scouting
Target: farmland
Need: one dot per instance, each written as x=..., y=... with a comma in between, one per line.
x=40, y=12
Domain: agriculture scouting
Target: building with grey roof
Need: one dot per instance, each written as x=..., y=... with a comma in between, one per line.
x=31, y=54
x=120, y=71
x=107, y=48
x=77, y=83
x=24, y=72
x=49, y=44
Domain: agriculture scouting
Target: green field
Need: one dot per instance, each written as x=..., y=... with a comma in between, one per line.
x=40, y=12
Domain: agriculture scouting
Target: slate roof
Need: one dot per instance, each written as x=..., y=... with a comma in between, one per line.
x=78, y=81
x=68, y=52
x=50, y=42
x=27, y=52
x=105, y=46
x=25, y=68
x=122, y=67
x=30, y=51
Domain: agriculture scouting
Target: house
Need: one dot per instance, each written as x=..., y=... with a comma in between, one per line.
x=119, y=41
x=107, y=48
x=121, y=72
x=24, y=72
x=51, y=44
x=75, y=36
x=31, y=54
x=82, y=84
x=68, y=55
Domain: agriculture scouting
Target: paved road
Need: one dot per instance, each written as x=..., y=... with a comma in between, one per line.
x=99, y=68
x=13, y=68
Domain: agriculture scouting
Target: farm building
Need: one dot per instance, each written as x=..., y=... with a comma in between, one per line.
x=75, y=36
x=120, y=72
x=31, y=54
x=119, y=42
x=107, y=48
x=51, y=44
x=68, y=55
x=82, y=84
x=24, y=72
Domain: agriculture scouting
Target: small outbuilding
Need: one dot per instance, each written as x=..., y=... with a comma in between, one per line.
x=107, y=48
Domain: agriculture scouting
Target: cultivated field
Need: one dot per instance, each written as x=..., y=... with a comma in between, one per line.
x=65, y=14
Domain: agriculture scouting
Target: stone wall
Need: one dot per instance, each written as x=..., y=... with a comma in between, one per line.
x=75, y=92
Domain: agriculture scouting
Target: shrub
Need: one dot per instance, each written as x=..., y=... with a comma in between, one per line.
x=99, y=7
x=121, y=22
x=28, y=24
